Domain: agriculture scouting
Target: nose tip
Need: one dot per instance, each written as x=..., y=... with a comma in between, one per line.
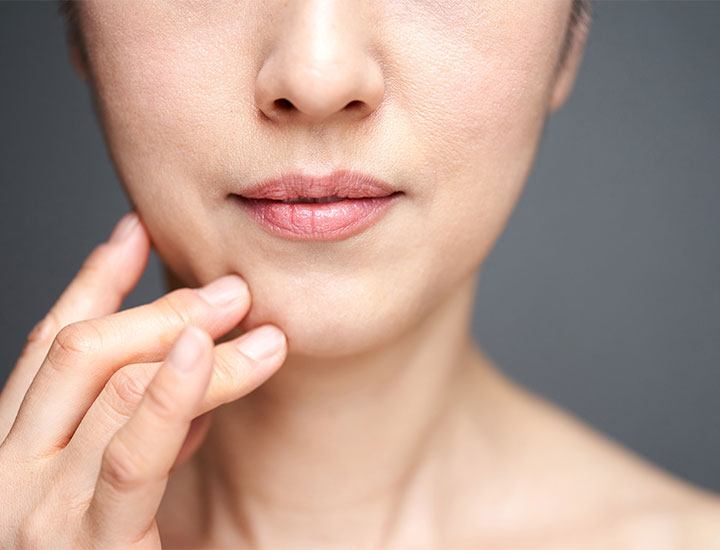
x=319, y=71
x=317, y=95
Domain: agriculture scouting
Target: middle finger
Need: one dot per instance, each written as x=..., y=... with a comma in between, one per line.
x=85, y=354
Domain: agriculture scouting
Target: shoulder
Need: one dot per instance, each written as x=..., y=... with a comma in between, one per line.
x=700, y=527
x=688, y=523
x=646, y=506
x=571, y=486
x=660, y=527
x=663, y=526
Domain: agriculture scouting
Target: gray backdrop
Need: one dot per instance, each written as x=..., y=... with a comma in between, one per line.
x=603, y=293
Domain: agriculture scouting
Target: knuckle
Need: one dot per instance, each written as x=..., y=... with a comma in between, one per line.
x=122, y=468
x=43, y=330
x=161, y=402
x=125, y=390
x=78, y=337
x=178, y=306
x=231, y=372
x=72, y=341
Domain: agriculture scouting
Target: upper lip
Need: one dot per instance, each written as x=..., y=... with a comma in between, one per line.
x=341, y=183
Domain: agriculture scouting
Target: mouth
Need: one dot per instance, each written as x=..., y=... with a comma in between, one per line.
x=330, y=208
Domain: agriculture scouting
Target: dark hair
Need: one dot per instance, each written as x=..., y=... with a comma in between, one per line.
x=580, y=15
x=68, y=10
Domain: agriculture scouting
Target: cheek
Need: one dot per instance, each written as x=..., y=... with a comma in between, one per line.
x=158, y=111
x=484, y=144
x=170, y=80
x=478, y=128
x=167, y=101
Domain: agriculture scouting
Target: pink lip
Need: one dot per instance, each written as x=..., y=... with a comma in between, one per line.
x=365, y=200
x=343, y=183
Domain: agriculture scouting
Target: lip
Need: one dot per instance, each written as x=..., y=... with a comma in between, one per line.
x=344, y=183
x=365, y=200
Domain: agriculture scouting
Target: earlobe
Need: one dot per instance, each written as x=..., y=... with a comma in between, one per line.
x=567, y=73
x=77, y=58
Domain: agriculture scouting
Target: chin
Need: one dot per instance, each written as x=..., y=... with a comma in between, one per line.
x=323, y=327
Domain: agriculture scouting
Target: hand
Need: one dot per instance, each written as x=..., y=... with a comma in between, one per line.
x=98, y=409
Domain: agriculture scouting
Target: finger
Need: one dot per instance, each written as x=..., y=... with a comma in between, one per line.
x=85, y=354
x=106, y=277
x=240, y=366
x=199, y=428
x=137, y=461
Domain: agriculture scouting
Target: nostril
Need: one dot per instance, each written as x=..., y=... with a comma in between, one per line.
x=283, y=104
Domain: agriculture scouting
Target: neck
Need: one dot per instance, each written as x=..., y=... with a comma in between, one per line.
x=339, y=439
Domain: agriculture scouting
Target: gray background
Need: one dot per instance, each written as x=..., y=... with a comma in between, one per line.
x=603, y=293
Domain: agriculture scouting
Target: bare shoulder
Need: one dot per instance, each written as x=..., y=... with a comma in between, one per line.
x=571, y=486
x=647, y=506
x=699, y=525
x=665, y=526
x=691, y=522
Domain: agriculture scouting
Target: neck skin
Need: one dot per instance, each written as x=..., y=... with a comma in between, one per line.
x=327, y=452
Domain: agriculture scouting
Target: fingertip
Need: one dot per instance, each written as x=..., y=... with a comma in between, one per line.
x=109, y=273
x=262, y=342
x=201, y=334
x=124, y=228
x=142, y=232
x=134, y=252
x=130, y=231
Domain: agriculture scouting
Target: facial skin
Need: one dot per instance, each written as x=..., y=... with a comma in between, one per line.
x=449, y=100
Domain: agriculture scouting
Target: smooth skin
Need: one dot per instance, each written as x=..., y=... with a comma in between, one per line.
x=107, y=399
x=387, y=426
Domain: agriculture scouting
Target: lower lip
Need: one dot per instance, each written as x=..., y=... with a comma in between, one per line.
x=330, y=221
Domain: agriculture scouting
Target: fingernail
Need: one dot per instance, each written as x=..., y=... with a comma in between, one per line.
x=224, y=290
x=185, y=352
x=262, y=342
x=124, y=227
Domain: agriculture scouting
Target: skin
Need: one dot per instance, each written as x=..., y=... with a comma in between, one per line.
x=378, y=422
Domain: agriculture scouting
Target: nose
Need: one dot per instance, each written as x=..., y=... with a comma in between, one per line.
x=319, y=68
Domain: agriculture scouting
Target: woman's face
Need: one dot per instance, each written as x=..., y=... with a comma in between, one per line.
x=450, y=97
